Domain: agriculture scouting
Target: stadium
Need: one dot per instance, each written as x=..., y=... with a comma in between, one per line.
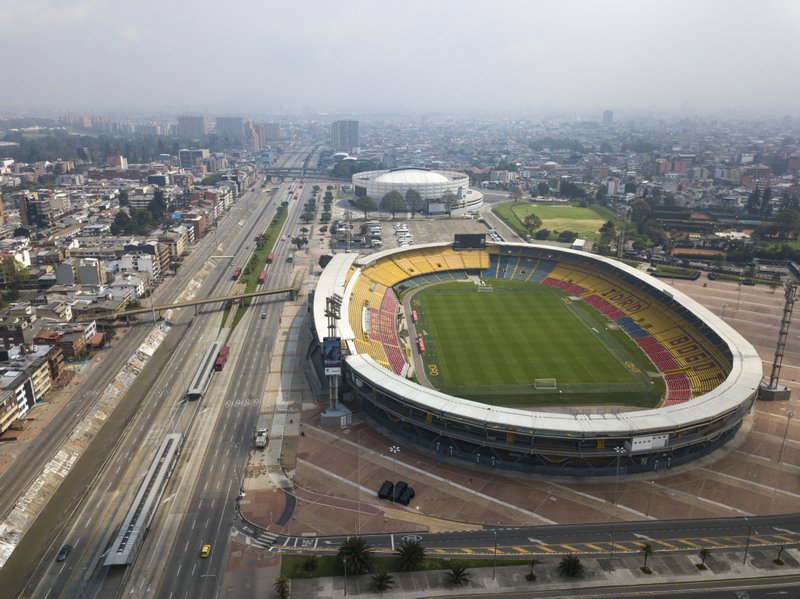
x=431, y=186
x=606, y=369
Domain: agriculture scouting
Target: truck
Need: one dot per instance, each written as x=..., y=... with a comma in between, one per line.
x=236, y=273
x=262, y=276
x=262, y=432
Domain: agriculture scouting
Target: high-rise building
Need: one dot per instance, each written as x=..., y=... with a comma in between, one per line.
x=344, y=135
x=191, y=126
x=272, y=131
x=231, y=128
x=608, y=117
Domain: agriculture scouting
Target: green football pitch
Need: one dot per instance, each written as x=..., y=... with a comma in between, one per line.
x=492, y=346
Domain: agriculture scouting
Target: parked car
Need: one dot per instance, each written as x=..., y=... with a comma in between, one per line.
x=385, y=492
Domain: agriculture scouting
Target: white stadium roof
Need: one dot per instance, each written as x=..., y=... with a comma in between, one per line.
x=411, y=176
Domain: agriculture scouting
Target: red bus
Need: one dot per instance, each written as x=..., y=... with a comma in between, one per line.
x=262, y=276
x=414, y=315
x=236, y=274
x=270, y=257
x=421, y=344
x=222, y=357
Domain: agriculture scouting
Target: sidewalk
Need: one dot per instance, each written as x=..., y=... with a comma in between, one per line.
x=626, y=571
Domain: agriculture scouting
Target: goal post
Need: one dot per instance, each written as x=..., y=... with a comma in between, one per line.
x=545, y=384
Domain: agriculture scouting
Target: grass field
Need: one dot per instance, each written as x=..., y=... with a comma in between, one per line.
x=559, y=217
x=491, y=346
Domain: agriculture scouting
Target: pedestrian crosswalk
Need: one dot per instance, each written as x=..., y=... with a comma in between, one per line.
x=265, y=539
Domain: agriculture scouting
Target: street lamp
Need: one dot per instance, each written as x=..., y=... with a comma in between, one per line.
x=723, y=309
x=344, y=565
x=747, y=543
x=619, y=451
x=394, y=450
x=650, y=497
x=611, y=559
x=494, y=562
x=789, y=416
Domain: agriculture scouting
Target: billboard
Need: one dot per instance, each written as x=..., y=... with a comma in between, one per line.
x=332, y=356
x=469, y=241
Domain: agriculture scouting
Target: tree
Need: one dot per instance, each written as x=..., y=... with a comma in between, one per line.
x=299, y=241
x=458, y=574
x=542, y=188
x=393, y=202
x=450, y=200
x=569, y=190
x=647, y=549
x=356, y=555
x=567, y=236
x=414, y=201
x=640, y=214
x=534, y=562
x=411, y=554
x=754, y=201
x=365, y=204
x=542, y=234
x=381, y=581
x=123, y=198
x=515, y=193
x=766, y=197
x=703, y=555
x=531, y=223
x=281, y=587
x=571, y=566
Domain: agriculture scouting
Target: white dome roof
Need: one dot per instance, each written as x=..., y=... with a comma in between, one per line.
x=411, y=176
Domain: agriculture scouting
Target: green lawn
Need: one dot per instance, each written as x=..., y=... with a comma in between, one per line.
x=559, y=217
x=491, y=346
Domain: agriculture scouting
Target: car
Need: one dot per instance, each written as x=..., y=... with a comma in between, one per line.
x=386, y=490
x=263, y=315
x=63, y=552
x=712, y=276
x=748, y=282
x=205, y=550
x=283, y=237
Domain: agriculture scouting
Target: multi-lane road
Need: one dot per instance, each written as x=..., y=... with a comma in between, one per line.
x=197, y=507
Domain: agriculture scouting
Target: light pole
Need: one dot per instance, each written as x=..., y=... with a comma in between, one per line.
x=494, y=561
x=358, y=483
x=789, y=416
x=747, y=543
x=619, y=451
x=394, y=450
x=723, y=309
x=344, y=565
x=611, y=559
x=739, y=298
x=650, y=497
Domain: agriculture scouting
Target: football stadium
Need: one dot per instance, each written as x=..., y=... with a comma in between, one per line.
x=533, y=358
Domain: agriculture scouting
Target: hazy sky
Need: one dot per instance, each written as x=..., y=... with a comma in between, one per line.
x=350, y=56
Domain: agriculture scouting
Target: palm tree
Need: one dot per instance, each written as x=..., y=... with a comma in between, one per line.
x=458, y=574
x=534, y=562
x=647, y=549
x=382, y=581
x=571, y=566
x=703, y=555
x=356, y=554
x=281, y=586
x=411, y=554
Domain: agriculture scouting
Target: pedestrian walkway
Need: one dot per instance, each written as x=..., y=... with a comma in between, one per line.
x=598, y=572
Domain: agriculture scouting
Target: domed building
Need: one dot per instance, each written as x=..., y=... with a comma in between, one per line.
x=431, y=186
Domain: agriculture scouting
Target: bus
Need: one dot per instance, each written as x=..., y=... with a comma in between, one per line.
x=236, y=273
x=222, y=357
x=271, y=257
x=262, y=276
x=202, y=376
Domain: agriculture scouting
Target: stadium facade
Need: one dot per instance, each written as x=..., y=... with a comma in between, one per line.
x=712, y=372
x=430, y=184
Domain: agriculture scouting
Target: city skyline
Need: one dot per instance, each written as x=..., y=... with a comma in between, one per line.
x=359, y=57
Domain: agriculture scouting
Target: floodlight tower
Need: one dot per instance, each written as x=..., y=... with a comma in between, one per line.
x=333, y=307
x=772, y=390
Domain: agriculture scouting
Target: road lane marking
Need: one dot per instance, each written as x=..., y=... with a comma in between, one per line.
x=546, y=549
x=710, y=542
x=596, y=548
x=571, y=548
x=688, y=542
x=194, y=567
x=392, y=538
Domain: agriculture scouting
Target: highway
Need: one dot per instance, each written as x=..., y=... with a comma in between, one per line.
x=607, y=539
x=211, y=446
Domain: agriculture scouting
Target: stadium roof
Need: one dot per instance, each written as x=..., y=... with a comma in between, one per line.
x=743, y=379
x=412, y=176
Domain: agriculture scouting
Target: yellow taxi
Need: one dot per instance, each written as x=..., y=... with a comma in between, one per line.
x=205, y=550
